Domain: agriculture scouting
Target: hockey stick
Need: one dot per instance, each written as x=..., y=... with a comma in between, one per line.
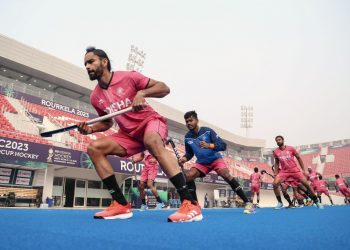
x=98, y=119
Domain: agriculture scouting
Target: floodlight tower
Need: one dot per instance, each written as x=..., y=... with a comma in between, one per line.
x=247, y=118
x=136, y=59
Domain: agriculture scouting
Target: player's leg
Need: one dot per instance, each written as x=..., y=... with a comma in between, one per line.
x=276, y=184
x=284, y=189
x=141, y=187
x=150, y=184
x=98, y=152
x=224, y=172
x=311, y=191
x=258, y=198
x=189, y=210
x=191, y=175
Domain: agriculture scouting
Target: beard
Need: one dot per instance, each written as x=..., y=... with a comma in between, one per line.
x=96, y=74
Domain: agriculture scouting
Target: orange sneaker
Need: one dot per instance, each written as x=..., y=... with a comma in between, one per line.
x=115, y=211
x=187, y=213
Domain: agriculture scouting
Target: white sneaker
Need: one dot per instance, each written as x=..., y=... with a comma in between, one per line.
x=279, y=205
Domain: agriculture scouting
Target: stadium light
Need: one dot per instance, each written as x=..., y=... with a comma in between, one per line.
x=136, y=59
x=247, y=115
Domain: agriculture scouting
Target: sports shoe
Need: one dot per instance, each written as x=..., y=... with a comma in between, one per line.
x=300, y=206
x=291, y=206
x=319, y=205
x=249, y=208
x=187, y=212
x=279, y=205
x=115, y=211
x=143, y=207
x=160, y=205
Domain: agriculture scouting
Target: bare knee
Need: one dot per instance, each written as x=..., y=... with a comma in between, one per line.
x=93, y=150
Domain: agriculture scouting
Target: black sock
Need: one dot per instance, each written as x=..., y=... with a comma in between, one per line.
x=279, y=199
x=331, y=201
x=258, y=201
x=180, y=184
x=287, y=197
x=144, y=201
x=300, y=202
x=114, y=190
x=238, y=189
x=158, y=199
x=192, y=188
x=319, y=198
x=314, y=198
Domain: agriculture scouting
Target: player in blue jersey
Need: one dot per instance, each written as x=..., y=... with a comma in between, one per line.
x=206, y=145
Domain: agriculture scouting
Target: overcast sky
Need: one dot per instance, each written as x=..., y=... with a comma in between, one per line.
x=290, y=60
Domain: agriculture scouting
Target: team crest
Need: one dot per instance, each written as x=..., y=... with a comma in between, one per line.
x=120, y=92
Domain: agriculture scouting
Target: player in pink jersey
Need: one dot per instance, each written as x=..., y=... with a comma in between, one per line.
x=343, y=187
x=322, y=188
x=148, y=175
x=287, y=170
x=141, y=129
x=255, y=180
x=313, y=178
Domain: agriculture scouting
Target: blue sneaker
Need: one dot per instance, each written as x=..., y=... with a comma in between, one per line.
x=279, y=205
x=160, y=205
x=143, y=207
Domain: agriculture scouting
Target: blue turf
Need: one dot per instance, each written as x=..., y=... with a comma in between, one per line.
x=221, y=229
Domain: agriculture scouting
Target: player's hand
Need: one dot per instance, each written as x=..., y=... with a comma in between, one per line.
x=182, y=160
x=139, y=101
x=203, y=144
x=84, y=128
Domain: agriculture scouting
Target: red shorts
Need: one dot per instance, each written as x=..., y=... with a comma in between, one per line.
x=291, y=179
x=255, y=188
x=322, y=191
x=215, y=165
x=134, y=145
x=149, y=173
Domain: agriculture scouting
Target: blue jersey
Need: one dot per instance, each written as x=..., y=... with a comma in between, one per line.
x=204, y=155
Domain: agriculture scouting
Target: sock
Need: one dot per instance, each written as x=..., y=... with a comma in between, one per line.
x=238, y=189
x=315, y=199
x=114, y=190
x=331, y=201
x=300, y=202
x=319, y=198
x=279, y=199
x=258, y=201
x=144, y=201
x=180, y=184
x=287, y=197
x=158, y=199
x=192, y=188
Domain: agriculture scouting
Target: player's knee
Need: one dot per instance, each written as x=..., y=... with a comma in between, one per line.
x=150, y=184
x=93, y=150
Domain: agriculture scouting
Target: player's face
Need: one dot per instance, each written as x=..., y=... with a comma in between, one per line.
x=191, y=123
x=279, y=141
x=94, y=66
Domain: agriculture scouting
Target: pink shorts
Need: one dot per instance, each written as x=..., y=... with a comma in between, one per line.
x=322, y=191
x=345, y=191
x=291, y=179
x=215, y=165
x=255, y=188
x=149, y=173
x=134, y=145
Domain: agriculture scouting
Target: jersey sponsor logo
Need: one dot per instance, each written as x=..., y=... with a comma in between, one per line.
x=116, y=106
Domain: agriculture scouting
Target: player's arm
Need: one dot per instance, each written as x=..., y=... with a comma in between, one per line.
x=217, y=143
x=138, y=157
x=154, y=89
x=188, y=155
x=275, y=167
x=301, y=163
x=101, y=126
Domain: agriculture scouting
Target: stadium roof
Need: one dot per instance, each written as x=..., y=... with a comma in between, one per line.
x=70, y=80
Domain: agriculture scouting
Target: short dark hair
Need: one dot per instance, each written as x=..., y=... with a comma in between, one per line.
x=191, y=113
x=256, y=169
x=279, y=136
x=320, y=177
x=337, y=176
x=100, y=53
